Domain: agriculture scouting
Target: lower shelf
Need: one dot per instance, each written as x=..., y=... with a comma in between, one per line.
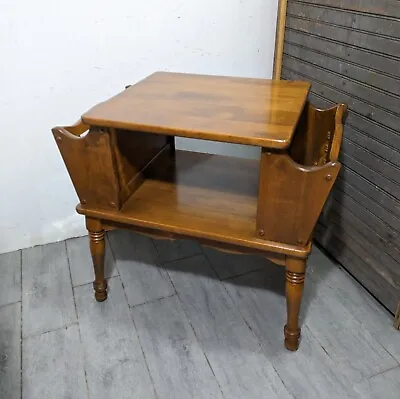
x=198, y=195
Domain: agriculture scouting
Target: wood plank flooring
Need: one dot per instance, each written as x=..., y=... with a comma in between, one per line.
x=183, y=321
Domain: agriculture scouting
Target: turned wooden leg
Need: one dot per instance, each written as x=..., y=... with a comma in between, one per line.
x=97, y=250
x=295, y=269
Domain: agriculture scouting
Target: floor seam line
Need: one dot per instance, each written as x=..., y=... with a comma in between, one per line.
x=140, y=342
x=21, y=346
x=66, y=326
x=114, y=257
x=11, y=303
x=152, y=301
x=166, y=262
x=381, y=372
x=260, y=344
x=91, y=283
x=197, y=339
x=77, y=321
x=243, y=274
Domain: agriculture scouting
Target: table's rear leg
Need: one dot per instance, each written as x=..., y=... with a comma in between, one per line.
x=295, y=272
x=97, y=250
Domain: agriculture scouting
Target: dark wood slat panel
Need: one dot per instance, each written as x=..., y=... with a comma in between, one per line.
x=344, y=51
x=386, y=157
x=377, y=138
x=366, y=270
x=376, y=147
x=387, y=265
x=390, y=8
x=360, y=107
x=371, y=191
x=386, y=232
x=355, y=38
x=341, y=216
x=350, y=188
x=353, y=88
x=371, y=160
x=376, y=178
x=359, y=73
x=350, y=53
x=369, y=254
x=370, y=23
x=321, y=102
x=385, y=135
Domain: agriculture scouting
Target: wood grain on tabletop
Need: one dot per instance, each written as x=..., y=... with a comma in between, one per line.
x=228, y=109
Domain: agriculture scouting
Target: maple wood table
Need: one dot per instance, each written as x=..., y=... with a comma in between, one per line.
x=127, y=173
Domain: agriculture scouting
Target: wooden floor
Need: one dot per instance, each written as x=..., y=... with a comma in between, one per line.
x=185, y=322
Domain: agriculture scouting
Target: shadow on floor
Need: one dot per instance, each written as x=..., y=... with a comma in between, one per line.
x=263, y=275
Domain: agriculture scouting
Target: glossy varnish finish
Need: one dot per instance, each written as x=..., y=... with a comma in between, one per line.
x=302, y=192
x=302, y=179
x=135, y=180
x=205, y=196
x=234, y=110
x=90, y=164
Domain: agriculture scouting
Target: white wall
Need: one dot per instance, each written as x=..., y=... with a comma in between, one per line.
x=57, y=59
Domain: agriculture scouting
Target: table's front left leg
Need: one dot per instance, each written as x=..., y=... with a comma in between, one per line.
x=295, y=274
x=97, y=250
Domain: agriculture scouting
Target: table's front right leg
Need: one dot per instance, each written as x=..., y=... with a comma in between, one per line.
x=295, y=274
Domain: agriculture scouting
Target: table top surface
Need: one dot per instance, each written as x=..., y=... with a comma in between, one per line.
x=236, y=110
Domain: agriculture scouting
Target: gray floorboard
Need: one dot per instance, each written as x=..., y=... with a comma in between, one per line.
x=233, y=351
x=212, y=338
x=176, y=249
x=47, y=301
x=345, y=339
x=137, y=261
x=80, y=261
x=114, y=361
x=307, y=373
x=381, y=386
x=10, y=281
x=53, y=366
x=176, y=361
x=228, y=265
x=333, y=281
x=10, y=351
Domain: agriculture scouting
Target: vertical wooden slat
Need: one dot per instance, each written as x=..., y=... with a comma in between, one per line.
x=350, y=54
x=280, y=39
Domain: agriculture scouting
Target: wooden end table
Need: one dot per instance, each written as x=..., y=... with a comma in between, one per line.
x=127, y=173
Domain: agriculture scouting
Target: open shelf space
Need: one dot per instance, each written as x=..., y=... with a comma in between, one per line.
x=204, y=194
x=207, y=196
